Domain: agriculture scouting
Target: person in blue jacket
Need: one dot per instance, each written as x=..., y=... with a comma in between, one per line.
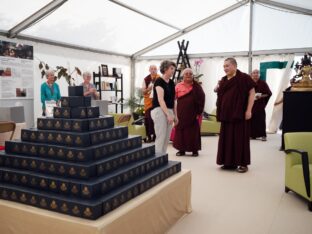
x=49, y=91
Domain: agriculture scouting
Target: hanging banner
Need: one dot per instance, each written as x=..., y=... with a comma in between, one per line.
x=16, y=70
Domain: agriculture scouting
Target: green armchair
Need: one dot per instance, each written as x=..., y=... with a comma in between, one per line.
x=127, y=120
x=298, y=164
x=210, y=125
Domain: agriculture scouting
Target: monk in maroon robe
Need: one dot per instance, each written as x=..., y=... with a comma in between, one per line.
x=236, y=95
x=190, y=105
x=263, y=94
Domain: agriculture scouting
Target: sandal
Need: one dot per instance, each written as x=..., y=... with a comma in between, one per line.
x=242, y=169
x=180, y=153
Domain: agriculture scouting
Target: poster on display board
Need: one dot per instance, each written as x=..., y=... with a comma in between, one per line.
x=16, y=70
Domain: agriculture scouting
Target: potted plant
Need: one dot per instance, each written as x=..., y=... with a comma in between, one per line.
x=60, y=72
x=135, y=104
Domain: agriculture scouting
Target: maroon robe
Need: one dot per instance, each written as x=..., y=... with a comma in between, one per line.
x=148, y=121
x=258, y=126
x=187, y=132
x=234, y=145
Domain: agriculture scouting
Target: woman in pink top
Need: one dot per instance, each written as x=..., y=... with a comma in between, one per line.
x=190, y=105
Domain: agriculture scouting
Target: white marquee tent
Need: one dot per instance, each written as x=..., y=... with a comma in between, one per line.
x=134, y=34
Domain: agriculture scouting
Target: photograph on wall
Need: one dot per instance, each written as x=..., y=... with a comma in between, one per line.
x=104, y=70
x=16, y=50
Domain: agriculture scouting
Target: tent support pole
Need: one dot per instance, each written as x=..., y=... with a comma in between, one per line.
x=251, y=6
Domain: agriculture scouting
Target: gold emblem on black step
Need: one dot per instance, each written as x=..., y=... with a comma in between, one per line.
x=4, y=194
x=42, y=150
x=74, y=189
x=83, y=173
x=76, y=210
x=87, y=212
x=52, y=185
x=62, y=169
x=25, y=135
x=77, y=126
x=41, y=137
x=63, y=187
x=25, y=149
x=23, y=197
x=59, y=138
x=50, y=137
x=43, y=202
x=85, y=191
x=68, y=139
x=66, y=113
x=67, y=125
x=33, y=136
x=43, y=183
x=57, y=112
x=16, y=149
x=70, y=154
x=42, y=166
x=33, y=181
x=53, y=205
x=49, y=124
x=13, y=196
x=78, y=140
x=72, y=171
x=33, y=200
x=33, y=164
x=52, y=167
x=24, y=163
x=60, y=153
x=40, y=123
x=57, y=124
x=83, y=113
x=64, y=207
x=107, y=207
x=80, y=156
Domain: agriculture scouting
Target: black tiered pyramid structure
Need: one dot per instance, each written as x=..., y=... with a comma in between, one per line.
x=78, y=163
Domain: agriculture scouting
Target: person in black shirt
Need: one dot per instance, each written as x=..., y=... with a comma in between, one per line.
x=164, y=107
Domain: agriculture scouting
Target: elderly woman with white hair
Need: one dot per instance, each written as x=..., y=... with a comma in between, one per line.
x=190, y=105
x=49, y=91
x=89, y=88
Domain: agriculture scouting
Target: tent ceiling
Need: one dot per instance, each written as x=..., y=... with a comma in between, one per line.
x=14, y=11
x=107, y=26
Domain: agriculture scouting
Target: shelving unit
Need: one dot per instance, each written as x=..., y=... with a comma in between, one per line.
x=117, y=87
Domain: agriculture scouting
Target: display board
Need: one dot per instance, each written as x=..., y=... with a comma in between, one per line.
x=16, y=70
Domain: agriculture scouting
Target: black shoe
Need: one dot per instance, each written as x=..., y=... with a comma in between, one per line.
x=180, y=153
x=195, y=154
x=224, y=167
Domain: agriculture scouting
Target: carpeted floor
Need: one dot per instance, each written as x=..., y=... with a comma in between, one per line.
x=250, y=203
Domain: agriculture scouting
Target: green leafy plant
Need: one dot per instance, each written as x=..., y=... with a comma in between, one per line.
x=135, y=103
x=60, y=72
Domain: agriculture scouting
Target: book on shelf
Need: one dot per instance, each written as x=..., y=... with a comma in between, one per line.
x=107, y=85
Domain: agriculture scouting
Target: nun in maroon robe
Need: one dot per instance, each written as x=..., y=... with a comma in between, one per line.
x=234, y=105
x=263, y=94
x=190, y=105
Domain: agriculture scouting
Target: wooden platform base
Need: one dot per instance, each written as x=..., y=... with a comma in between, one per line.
x=155, y=211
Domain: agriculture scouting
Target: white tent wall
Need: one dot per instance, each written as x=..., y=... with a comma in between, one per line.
x=71, y=58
